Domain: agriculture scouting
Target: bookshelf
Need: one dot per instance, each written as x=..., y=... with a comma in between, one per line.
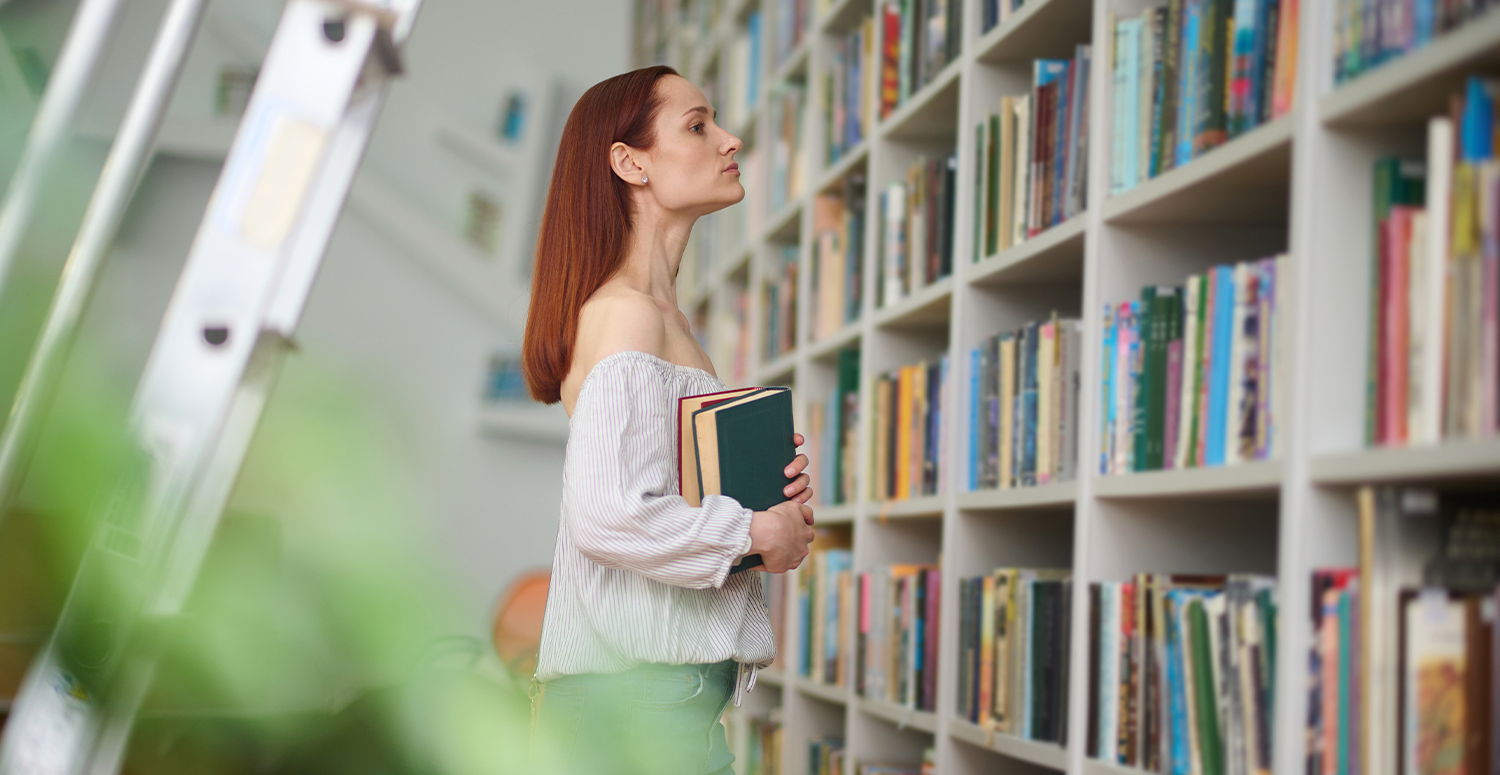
x=1297, y=184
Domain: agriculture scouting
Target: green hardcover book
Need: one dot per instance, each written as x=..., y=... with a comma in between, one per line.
x=980, y=187
x=1146, y=334
x=742, y=447
x=848, y=365
x=992, y=209
x=1167, y=300
x=1210, y=747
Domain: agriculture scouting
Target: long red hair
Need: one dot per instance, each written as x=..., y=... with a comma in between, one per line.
x=581, y=241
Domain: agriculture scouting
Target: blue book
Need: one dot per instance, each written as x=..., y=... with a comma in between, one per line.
x=1478, y=122
x=940, y=409
x=1187, y=85
x=839, y=561
x=1130, y=59
x=1061, y=115
x=1424, y=21
x=1218, y=385
x=752, y=29
x=1107, y=434
x=1242, y=65
x=1180, y=756
x=1026, y=418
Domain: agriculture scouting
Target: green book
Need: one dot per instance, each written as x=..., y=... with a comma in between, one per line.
x=1210, y=747
x=1146, y=338
x=742, y=447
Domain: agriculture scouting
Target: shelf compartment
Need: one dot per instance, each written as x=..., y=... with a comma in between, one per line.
x=910, y=508
x=829, y=346
x=1246, y=180
x=1450, y=460
x=852, y=158
x=903, y=717
x=1257, y=478
x=839, y=695
x=834, y=513
x=842, y=17
x=771, y=371
x=1417, y=85
x=1050, y=755
x=786, y=223
x=931, y=113
x=1047, y=495
x=795, y=64
x=1054, y=255
x=926, y=306
x=1039, y=29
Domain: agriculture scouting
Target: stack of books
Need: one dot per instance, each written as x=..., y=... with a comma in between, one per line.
x=1434, y=362
x=833, y=424
x=1369, y=33
x=1192, y=373
x=791, y=27
x=825, y=604
x=1032, y=168
x=920, y=38
x=787, y=103
x=838, y=250
x=825, y=756
x=781, y=304
x=1023, y=406
x=1182, y=673
x=1013, y=652
x=897, y=638
x=1184, y=85
x=908, y=444
x=916, y=229
x=848, y=92
x=741, y=74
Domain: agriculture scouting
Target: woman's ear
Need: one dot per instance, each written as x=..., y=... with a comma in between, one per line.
x=625, y=162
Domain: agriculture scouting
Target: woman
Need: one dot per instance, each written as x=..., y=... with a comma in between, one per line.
x=646, y=635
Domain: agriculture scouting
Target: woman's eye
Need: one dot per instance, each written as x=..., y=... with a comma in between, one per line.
x=697, y=128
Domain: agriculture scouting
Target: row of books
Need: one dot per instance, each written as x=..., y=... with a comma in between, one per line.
x=729, y=336
x=1013, y=651
x=838, y=251
x=1368, y=33
x=763, y=738
x=780, y=329
x=791, y=27
x=833, y=425
x=788, y=101
x=915, y=224
x=908, y=445
x=825, y=605
x=1183, y=84
x=1403, y=668
x=848, y=92
x=1033, y=156
x=896, y=644
x=1434, y=344
x=1182, y=673
x=825, y=756
x=1023, y=405
x=920, y=38
x=1192, y=373
x=996, y=12
x=740, y=75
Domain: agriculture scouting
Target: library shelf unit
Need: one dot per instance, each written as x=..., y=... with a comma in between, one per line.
x=1299, y=184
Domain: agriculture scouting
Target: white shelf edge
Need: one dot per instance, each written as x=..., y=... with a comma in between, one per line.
x=1255, y=477
x=1058, y=494
x=827, y=692
x=920, y=299
x=1012, y=258
x=1043, y=754
x=1417, y=463
x=895, y=125
x=900, y=715
x=919, y=507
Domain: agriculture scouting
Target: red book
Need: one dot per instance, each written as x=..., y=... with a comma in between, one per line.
x=890, y=77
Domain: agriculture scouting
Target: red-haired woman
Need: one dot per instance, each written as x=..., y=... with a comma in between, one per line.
x=646, y=635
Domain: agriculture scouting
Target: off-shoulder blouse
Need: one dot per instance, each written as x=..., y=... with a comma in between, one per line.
x=638, y=575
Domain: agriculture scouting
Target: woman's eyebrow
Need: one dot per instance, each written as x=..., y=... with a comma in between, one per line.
x=698, y=109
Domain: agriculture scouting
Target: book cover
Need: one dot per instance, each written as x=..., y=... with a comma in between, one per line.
x=743, y=447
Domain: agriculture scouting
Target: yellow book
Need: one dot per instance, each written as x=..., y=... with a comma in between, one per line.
x=903, y=432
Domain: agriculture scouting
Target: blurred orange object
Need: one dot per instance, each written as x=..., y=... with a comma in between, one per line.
x=518, y=621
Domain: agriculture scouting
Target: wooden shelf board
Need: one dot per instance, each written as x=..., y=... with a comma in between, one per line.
x=1246, y=180
x=1055, y=255
x=1260, y=478
x=843, y=16
x=834, y=514
x=927, y=306
x=526, y=422
x=1447, y=461
x=931, y=113
x=1417, y=85
x=1060, y=494
x=903, y=717
x=855, y=156
x=1050, y=755
x=786, y=224
x=838, y=695
x=910, y=508
x=1097, y=767
x=1038, y=29
x=829, y=346
x=772, y=372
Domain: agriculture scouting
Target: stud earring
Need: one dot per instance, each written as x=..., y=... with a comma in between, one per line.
x=643, y=178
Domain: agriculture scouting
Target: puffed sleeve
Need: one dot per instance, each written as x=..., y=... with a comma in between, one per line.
x=618, y=506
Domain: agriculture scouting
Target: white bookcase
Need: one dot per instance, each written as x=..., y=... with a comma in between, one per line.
x=1300, y=184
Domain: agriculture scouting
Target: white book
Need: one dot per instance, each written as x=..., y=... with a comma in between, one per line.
x=895, y=228
x=1046, y=355
x=1417, y=337
x=1188, y=396
x=1021, y=190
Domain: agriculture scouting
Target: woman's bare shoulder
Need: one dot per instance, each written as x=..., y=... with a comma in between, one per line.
x=613, y=320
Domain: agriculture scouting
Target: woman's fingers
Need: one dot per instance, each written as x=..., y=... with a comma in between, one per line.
x=797, y=439
x=798, y=464
x=798, y=485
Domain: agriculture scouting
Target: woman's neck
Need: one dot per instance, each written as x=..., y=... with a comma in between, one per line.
x=654, y=251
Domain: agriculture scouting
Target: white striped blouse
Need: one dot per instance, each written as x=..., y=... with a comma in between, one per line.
x=639, y=575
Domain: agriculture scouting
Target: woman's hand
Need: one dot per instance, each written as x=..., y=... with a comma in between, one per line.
x=800, y=490
x=781, y=534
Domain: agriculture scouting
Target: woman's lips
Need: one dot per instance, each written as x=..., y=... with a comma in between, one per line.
x=734, y=168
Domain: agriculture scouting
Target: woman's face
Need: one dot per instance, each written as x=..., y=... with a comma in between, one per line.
x=691, y=168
